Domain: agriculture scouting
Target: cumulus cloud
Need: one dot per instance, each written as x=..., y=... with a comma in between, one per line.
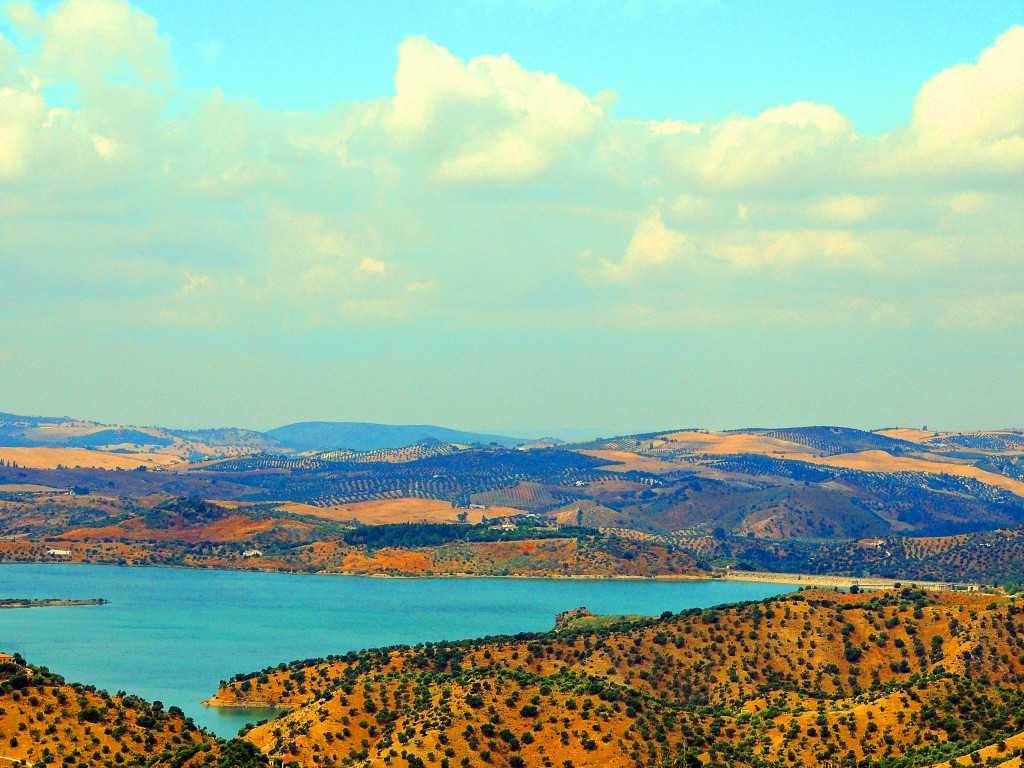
x=477, y=185
x=788, y=249
x=370, y=266
x=651, y=245
x=93, y=42
x=977, y=109
x=21, y=112
x=790, y=144
x=487, y=119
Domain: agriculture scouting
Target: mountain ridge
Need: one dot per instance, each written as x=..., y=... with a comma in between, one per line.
x=370, y=436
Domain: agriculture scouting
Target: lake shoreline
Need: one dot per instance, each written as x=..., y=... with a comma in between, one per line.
x=767, y=577
x=701, y=576
x=176, y=632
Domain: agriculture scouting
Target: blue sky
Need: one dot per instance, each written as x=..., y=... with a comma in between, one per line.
x=513, y=215
x=683, y=60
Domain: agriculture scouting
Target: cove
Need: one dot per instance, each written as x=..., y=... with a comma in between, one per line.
x=173, y=634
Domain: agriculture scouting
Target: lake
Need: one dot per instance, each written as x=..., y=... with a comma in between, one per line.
x=173, y=634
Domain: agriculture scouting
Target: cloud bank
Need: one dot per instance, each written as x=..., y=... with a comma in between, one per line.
x=118, y=186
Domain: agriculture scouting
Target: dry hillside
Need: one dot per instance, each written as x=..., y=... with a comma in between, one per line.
x=190, y=532
x=888, y=679
x=45, y=721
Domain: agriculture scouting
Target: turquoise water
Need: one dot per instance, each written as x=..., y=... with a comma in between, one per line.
x=173, y=635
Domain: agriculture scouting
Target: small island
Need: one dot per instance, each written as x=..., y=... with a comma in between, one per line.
x=16, y=602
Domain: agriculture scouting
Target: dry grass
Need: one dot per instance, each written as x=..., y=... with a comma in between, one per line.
x=992, y=752
x=632, y=461
x=48, y=724
x=529, y=557
x=752, y=665
x=880, y=461
x=27, y=488
x=233, y=528
x=905, y=433
x=50, y=458
x=592, y=511
x=718, y=443
x=398, y=511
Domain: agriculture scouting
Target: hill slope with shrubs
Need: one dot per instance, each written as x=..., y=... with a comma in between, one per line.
x=895, y=678
x=46, y=721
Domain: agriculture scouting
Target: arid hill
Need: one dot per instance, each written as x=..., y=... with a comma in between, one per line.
x=183, y=531
x=100, y=528
x=814, y=678
x=70, y=441
x=45, y=721
x=803, y=500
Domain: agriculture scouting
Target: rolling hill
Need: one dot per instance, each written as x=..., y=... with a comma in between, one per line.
x=793, y=499
x=887, y=679
x=199, y=444
x=187, y=445
x=47, y=721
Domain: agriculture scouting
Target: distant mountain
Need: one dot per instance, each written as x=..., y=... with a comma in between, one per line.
x=13, y=419
x=194, y=445
x=361, y=436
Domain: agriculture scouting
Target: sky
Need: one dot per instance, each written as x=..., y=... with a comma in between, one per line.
x=512, y=216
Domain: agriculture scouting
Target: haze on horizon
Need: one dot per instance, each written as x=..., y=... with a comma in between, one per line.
x=513, y=216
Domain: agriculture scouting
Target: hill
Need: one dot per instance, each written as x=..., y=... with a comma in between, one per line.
x=888, y=679
x=188, y=531
x=103, y=440
x=362, y=436
x=46, y=721
x=798, y=499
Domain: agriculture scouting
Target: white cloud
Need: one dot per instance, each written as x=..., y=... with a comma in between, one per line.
x=308, y=256
x=981, y=312
x=22, y=14
x=371, y=267
x=652, y=244
x=476, y=184
x=106, y=148
x=21, y=112
x=786, y=144
x=95, y=42
x=976, y=101
x=846, y=210
x=789, y=249
x=968, y=203
x=485, y=120
x=669, y=127
x=195, y=283
x=972, y=115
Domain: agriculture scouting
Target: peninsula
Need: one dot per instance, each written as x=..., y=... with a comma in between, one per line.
x=14, y=602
